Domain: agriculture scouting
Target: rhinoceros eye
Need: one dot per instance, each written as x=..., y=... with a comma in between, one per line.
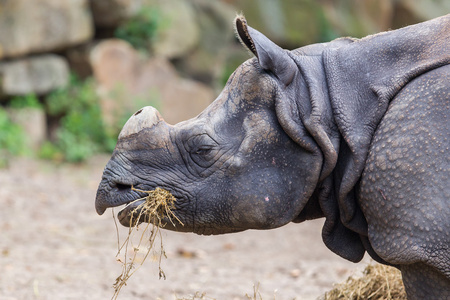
x=202, y=149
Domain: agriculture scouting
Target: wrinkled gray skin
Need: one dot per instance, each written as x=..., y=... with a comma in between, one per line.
x=356, y=131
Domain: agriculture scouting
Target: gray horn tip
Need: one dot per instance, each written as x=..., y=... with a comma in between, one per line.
x=146, y=117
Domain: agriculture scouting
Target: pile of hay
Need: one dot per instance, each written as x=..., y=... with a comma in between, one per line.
x=157, y=206
x=202, y=296
x=379, y=282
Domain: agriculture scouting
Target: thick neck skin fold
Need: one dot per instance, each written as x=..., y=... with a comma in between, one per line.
x=316, y=130
x=348, y=86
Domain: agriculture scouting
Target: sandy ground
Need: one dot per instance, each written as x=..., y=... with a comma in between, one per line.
x=54, y=246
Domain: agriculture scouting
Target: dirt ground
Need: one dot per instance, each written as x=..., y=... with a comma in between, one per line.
x=55, y=246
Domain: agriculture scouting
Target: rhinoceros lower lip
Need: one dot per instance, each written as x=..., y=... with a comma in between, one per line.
x=130, y=210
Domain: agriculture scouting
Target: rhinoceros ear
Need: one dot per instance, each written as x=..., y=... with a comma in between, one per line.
x=270, y=56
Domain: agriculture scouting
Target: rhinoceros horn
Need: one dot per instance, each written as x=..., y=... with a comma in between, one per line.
x=146, y=117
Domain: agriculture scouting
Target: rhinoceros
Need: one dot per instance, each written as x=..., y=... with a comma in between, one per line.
x=355, y=131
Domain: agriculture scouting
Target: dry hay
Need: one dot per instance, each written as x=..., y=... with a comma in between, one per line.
x=379, y=282
x=156, y=209
x=202, y=296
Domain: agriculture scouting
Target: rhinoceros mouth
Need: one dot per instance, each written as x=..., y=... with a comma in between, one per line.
x=121, y=195
x=129, y=198
x=116, y=195
x=149, y=209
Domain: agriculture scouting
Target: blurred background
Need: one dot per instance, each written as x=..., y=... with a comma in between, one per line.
x=73, y=71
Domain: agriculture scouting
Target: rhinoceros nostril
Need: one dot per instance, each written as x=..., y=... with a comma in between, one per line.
x=138, y=112
x=123, y=187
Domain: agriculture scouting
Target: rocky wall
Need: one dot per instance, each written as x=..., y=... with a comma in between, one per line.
x=42, y=41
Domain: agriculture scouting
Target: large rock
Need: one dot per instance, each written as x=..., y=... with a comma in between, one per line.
x=78, y=58
x=180, y=32
x=293, y=23
x=110, y=13
x=358, y=18
x=42, y=25
x=33, y=75
x=128, y=81
x=409, y=12
x=206, y=62
x=290, y=23
x=34, y=124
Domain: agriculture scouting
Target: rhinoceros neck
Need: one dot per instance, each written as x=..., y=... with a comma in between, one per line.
x=315, y=110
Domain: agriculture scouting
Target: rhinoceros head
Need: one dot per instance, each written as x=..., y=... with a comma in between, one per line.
x=239, y=165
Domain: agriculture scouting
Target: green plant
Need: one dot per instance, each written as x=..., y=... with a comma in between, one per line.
x=81, y=132
x=26, y=101
x=50, y=151
x=12, y=138
x=141, y=29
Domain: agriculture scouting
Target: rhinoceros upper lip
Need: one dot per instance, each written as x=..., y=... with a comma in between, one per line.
x=106, y=197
